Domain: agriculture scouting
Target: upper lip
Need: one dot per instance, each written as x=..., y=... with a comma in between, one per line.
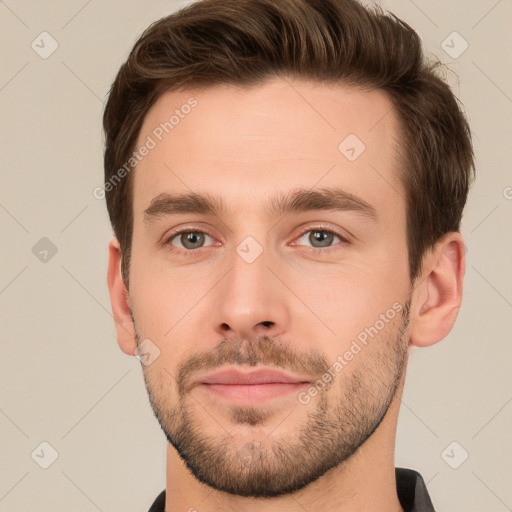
x=259, y=376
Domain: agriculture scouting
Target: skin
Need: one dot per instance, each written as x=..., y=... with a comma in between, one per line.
x=290, y=308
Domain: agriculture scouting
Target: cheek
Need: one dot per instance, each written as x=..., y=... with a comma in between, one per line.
x=349, y=296
x=161, y=296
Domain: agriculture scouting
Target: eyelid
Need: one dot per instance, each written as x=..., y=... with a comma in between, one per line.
x=185, y=228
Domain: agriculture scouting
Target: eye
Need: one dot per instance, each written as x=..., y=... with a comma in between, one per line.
x=189, y=239
x=320, y=238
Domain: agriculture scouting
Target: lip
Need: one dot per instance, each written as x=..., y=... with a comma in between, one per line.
x=235, y=376
x=251, y=387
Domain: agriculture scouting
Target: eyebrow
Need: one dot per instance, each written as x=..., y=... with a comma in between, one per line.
x=294, y=201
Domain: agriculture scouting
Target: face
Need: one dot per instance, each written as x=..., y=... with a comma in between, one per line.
x=269, y=232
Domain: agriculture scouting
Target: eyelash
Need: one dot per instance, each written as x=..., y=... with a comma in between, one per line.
x=193, y=252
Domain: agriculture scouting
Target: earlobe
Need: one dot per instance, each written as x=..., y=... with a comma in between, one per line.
x=439, y=294
x=119, y=300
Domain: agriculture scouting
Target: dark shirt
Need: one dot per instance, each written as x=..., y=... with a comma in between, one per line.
x=411, y=489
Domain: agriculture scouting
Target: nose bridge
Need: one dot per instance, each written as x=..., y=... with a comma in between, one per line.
x=249, y=275
x=249, y=301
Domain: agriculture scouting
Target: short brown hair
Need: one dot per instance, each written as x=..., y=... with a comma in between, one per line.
x=245, y=42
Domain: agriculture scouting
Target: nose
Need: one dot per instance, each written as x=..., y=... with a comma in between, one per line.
x=250, y=300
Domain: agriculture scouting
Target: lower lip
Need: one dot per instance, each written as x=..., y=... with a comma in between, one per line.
x=254, y=393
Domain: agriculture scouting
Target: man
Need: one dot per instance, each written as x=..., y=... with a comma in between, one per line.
x=285, y=181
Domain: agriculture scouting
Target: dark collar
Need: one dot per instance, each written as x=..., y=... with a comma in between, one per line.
x=410, y=486
x=412, y=491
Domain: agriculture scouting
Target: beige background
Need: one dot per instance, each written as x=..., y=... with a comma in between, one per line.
x=63, y=379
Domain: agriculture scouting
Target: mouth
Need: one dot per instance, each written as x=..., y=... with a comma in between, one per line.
x=250, y=388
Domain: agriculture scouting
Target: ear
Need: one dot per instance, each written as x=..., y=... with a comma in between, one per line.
x=119, y=300
x=438, y=296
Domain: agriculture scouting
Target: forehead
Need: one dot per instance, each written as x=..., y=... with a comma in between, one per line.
x=246, y=143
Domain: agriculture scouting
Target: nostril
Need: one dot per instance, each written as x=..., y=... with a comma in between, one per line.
x=267, y=323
